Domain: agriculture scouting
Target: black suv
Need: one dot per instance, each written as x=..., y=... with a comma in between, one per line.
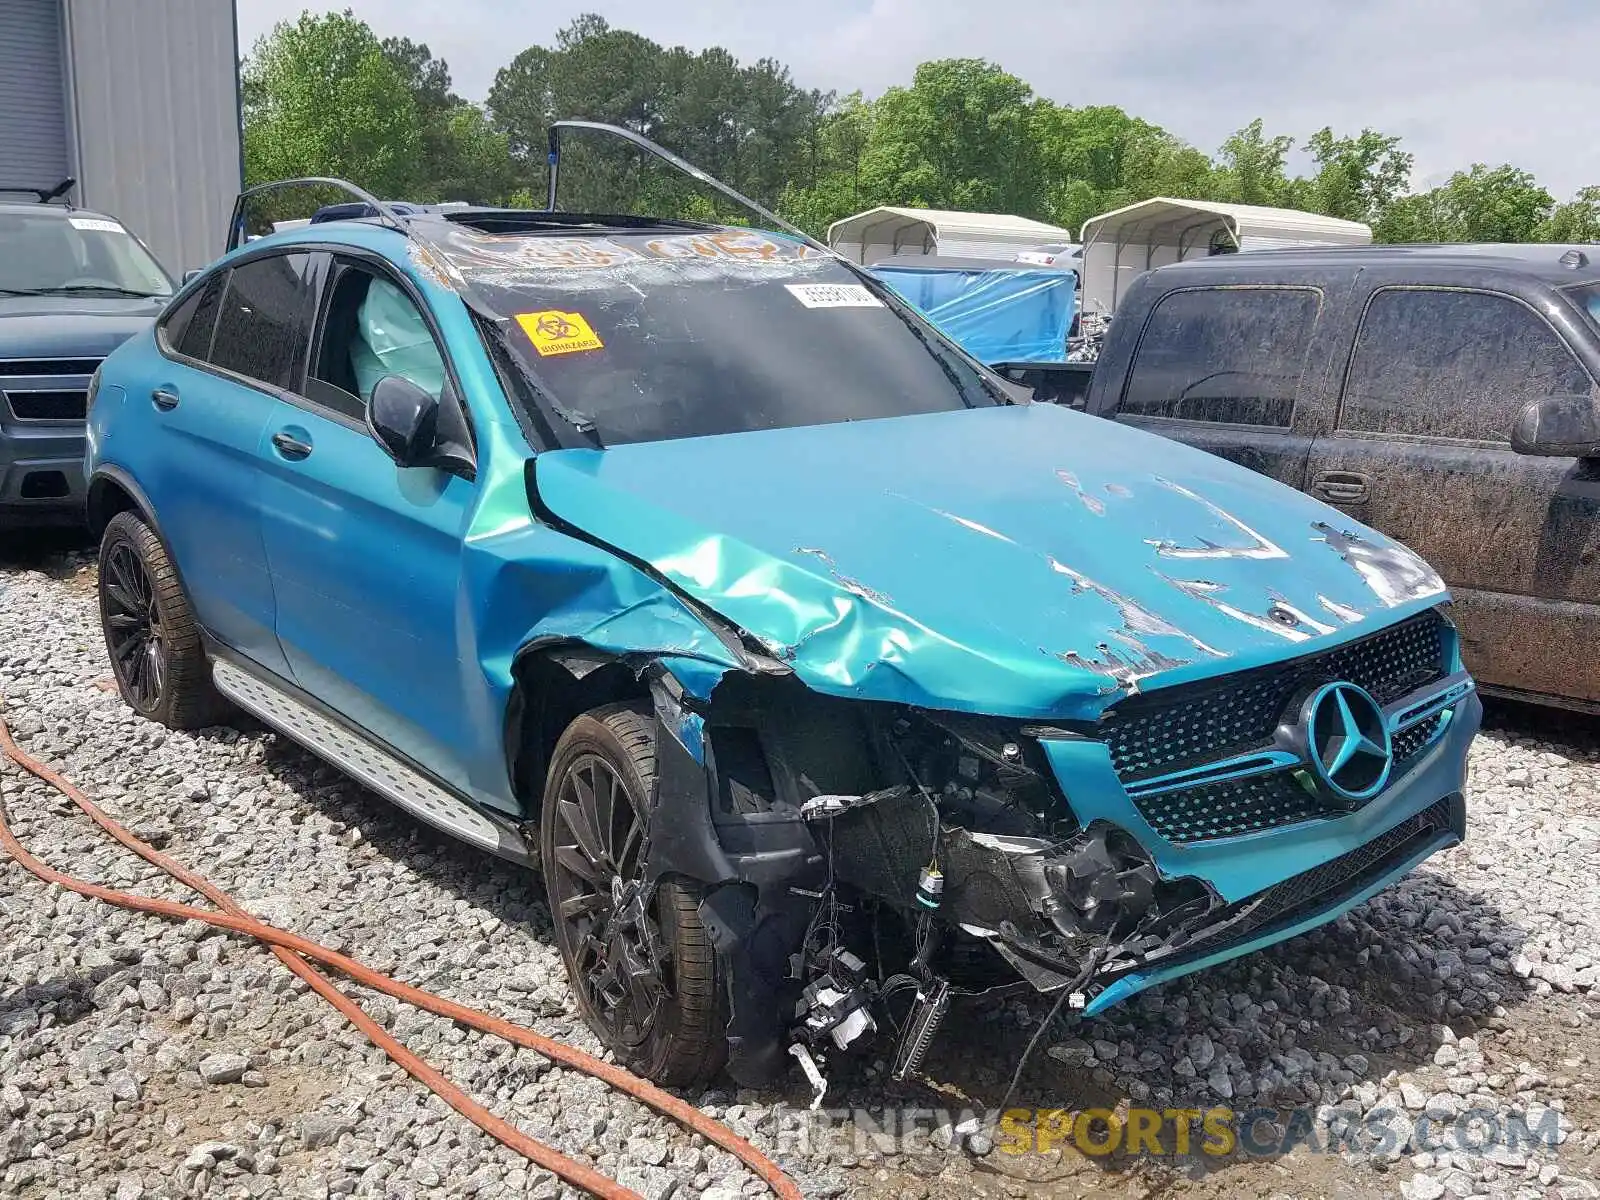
x=1443, y=394
x=74, y=285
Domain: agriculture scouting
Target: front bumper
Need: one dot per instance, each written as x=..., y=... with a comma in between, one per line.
x=41, y=474
x=1282, y=882
x=1413, y=840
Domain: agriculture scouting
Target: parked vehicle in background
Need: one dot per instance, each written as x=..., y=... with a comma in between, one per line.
x=823, y=680
x=1059, y=254
x=73, y=285
x=1443, y=394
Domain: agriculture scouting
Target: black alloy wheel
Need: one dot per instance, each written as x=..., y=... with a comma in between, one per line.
x=135, y=636
x=637, y=956
x=598, y=889
x=152, y=637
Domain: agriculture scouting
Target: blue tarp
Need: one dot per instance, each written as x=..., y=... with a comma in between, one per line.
x=998, y=314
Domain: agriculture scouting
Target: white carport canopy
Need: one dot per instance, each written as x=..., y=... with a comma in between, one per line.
x=1124, y=243
x=884, y=232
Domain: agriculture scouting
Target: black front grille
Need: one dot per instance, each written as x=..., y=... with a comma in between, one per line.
x=1174, y=729
x=1349, y=872
x=49, y=406
x=1408, y=743
x=48, y=366
x=1235, y=806
x=1230, y=808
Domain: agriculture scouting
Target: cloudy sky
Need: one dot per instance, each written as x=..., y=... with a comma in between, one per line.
x=1461, y=81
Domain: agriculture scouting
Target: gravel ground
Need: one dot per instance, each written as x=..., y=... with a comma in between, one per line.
x=144, y=1058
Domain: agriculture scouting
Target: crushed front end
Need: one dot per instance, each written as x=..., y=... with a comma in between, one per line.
x=869, y=861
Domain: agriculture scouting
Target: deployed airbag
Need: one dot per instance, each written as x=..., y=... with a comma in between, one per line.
x=394, y=340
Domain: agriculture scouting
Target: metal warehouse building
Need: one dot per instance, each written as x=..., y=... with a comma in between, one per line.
x=136, y=99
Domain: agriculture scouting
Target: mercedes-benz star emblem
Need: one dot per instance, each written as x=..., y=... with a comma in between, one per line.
x=1347, y=743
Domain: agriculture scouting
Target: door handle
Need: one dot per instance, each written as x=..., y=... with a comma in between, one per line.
x=291, y=447
x=1342, y=487
x=166, y=399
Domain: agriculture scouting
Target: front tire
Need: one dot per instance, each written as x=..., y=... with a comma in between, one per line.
x=150, y=630
x=640, y=964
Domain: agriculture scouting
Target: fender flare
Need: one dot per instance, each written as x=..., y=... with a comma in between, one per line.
x=110, y=473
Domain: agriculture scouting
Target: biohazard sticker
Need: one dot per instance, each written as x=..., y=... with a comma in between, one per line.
x=553, y=332
x=833, y=295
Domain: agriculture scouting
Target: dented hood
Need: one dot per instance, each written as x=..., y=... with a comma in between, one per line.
x=1024, y=561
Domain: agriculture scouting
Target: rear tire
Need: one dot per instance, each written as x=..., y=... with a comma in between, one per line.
x=642, y=967
x=151, y=633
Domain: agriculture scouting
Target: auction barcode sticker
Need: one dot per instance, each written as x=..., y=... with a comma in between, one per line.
x=833, y=295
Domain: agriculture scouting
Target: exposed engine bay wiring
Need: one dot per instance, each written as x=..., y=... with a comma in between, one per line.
x=294, y=951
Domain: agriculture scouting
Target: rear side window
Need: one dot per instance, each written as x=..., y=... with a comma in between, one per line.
x=188, y=328
x=265, y=317
x=1230, y=355
x=1437, y=362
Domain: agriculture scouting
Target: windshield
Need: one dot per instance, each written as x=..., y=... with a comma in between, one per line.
x=1587, y=296
x=643, y=337
x=53, y=253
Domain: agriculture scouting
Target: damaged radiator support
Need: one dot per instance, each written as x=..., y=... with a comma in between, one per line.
x=1059, y=909
x=1043, y=903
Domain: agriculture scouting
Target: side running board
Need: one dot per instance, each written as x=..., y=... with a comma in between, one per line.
x=369, y=765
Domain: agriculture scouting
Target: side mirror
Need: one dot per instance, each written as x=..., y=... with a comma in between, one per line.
x=404, y=418
x=1558, y=427
x=191, y=273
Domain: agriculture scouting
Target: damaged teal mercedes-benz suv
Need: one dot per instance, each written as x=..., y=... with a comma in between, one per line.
x=824, y=680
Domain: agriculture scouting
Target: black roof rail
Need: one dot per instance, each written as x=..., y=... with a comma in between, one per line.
x=46, y=194
x=688, y=168
x=384, y=210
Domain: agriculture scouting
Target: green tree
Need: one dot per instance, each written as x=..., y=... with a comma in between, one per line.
x=461, y=155
x=1356, y=178
x=835, y=147
x=1099, y=158
x=320, y=97
x=1578, y=220
x=751, y=126
x=959, y=137
x=1251, y=170
x=1484, y=204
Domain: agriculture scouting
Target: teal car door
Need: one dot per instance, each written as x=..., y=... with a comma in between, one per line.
x=227, y=354
x=365, y=555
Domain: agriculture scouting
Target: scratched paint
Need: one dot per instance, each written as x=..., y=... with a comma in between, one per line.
x=854, y=586
x=1093, y=503
x=1255, y=546
x=1395, y=575
x=1137, y=620
x=1213, y=593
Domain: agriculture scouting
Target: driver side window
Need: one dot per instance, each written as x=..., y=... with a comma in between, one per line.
x=372, y=328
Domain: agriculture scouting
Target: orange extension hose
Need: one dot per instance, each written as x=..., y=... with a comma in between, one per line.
x=290, y=948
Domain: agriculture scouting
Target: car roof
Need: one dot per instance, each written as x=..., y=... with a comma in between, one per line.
x=436, y=228
x=1541, y=260
x=33, y=207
